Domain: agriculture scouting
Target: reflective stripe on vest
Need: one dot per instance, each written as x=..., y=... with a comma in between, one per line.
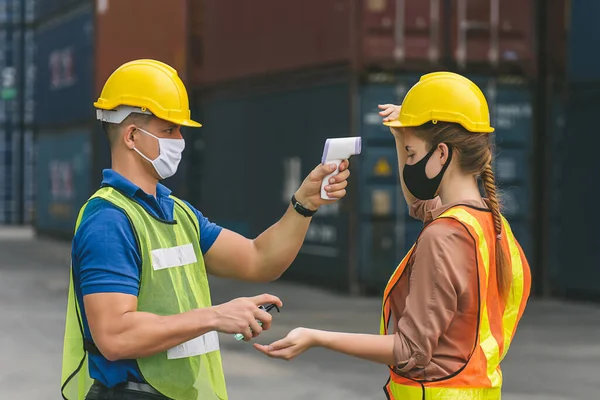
x=481, y=377
x=173, y=280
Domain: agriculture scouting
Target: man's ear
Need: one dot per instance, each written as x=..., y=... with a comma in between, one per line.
x=129, y=136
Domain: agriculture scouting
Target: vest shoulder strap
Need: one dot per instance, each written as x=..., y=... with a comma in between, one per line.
x=189, y=213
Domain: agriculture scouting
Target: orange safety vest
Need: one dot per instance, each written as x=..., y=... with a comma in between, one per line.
x=481, y=377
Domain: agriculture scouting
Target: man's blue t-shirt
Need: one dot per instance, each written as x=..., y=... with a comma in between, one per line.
x=106, y=258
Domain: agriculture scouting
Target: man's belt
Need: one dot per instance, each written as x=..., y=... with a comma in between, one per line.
x=132, y=387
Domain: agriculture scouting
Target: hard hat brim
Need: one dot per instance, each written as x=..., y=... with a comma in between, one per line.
x=191, y=124
x=394, y=124
x=469, y=127
x=118, y=114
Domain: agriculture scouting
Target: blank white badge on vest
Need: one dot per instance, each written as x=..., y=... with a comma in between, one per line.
x=177, y=257
x=206, y=343
x=173, y=257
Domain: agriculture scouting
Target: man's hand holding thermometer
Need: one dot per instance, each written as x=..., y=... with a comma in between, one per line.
x=335, y=151
x=327, y=183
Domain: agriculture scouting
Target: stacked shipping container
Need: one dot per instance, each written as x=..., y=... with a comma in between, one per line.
x=272, y=36
x=314, y=70
x=64, y=90
x=257, y=145
x=16, y=97
x=573, y=193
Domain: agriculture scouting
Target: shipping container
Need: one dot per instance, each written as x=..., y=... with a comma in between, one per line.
x=575, y=190
x=11, y=11
x=30, y=6
x=494, y=32
x=556, y=25
x=160, y=32
x=64, y=73
x=28, y=114
x=10, y=179
x=242, y=39
x=29, y=177
x=272, y=138
x=554, y=179
x=29, y=78
x=12, y=92
x=404, y=32
x=583, y=64
x=63, y=178
x=48, y=9
x=11, y=70
x=252, y=38
x=195, y=19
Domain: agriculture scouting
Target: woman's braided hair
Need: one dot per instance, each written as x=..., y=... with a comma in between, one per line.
x=475, y=151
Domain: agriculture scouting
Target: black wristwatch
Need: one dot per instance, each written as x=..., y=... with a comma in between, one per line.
x=300, y=209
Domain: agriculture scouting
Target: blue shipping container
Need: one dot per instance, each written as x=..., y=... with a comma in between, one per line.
x=63, y=179
x=576, y=190
x=29, y=10
x=29, y=179
x=257, y=149
x=557, y=128
x=29, y=78
x=10, y=185
x=11, y=135
x=11, y=70
x=65, y=58
x=45, y=9
x=11, y=11
x=583, y=63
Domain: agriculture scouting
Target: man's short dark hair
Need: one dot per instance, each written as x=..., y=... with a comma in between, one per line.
x=112, y=130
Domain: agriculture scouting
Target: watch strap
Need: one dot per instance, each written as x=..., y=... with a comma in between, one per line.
x=300, y=209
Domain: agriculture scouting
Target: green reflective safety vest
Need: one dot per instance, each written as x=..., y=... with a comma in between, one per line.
x=173, y=280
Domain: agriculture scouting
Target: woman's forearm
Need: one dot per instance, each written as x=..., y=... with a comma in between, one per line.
x=376, y=348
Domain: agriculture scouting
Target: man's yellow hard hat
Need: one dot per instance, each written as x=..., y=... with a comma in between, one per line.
x=146, y=87
x=446, y=97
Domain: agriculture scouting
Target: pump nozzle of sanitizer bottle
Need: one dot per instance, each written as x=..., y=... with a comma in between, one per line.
x=268, y=308
x=335, y=151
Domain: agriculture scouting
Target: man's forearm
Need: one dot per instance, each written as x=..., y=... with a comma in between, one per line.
x=279, y=245
x=266, y=257
x=141, y=334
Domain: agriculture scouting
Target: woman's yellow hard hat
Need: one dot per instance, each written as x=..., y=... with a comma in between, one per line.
x=446, y=97
x=148, y=87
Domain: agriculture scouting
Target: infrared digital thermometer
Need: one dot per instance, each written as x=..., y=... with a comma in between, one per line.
x=335, y=151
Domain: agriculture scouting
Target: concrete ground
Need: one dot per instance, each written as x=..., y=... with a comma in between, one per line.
x=555, y=356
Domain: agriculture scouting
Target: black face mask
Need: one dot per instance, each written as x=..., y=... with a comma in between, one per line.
x=416, y=179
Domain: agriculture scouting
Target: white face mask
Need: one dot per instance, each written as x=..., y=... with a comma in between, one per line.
x=169, y=155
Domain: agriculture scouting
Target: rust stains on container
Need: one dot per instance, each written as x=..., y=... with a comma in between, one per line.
x=246, y=38
x=131, y=29
x=238, y=40
x=405, y=32
x=497, y=33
